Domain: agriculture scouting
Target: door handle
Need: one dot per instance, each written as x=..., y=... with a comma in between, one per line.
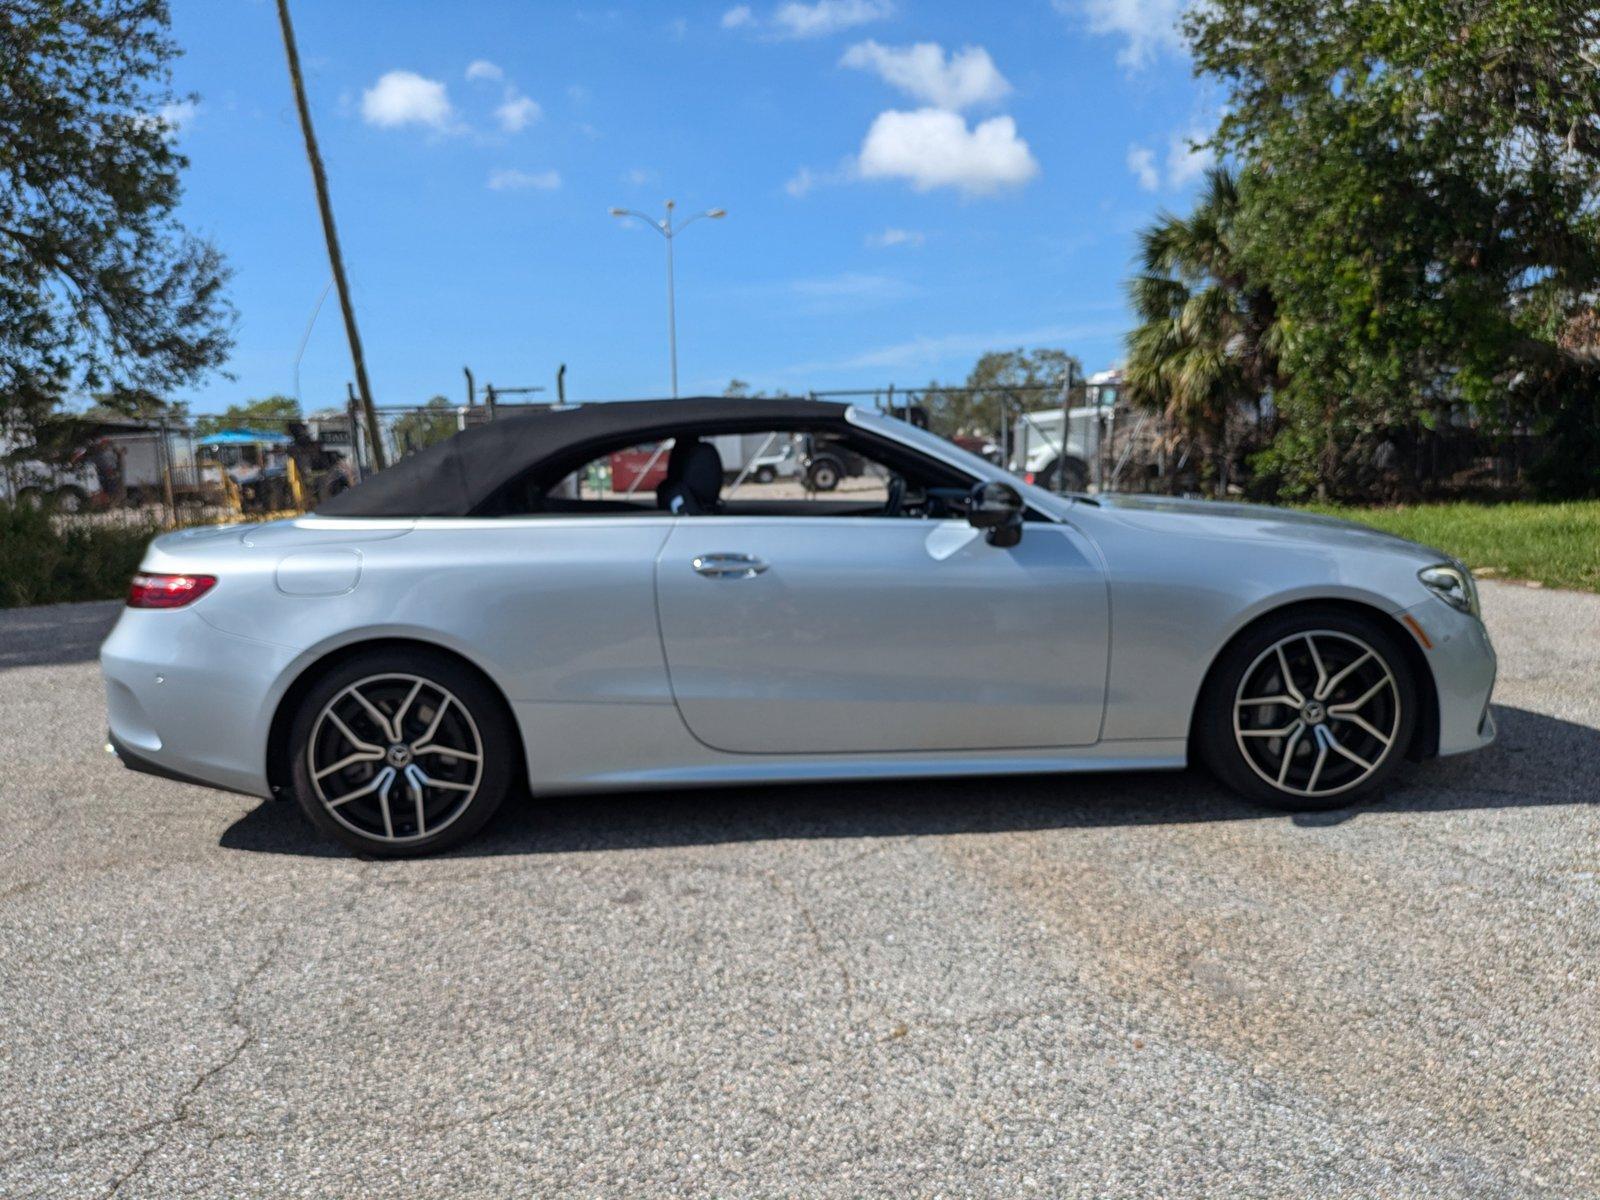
x=728, y=566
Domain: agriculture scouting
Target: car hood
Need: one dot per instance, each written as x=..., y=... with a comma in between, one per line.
x=1259, y=522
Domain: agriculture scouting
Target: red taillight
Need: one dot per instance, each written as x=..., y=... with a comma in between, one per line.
x=1028, y=477
x=168, y=591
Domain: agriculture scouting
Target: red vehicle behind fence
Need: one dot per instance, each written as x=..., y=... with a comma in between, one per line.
x=639, y=469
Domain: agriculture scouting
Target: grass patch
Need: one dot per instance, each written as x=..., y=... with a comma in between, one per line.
x=49, y=560
x=1554, y=544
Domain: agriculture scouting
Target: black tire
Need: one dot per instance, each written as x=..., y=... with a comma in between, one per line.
x=1077, y=476
x=1245, y=757
x=383, y=670
x=823, y=475
x=69, y=499
x=765, y=474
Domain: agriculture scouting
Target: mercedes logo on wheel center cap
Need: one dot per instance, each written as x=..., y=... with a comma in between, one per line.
x=399, y=755
x=1313, y=712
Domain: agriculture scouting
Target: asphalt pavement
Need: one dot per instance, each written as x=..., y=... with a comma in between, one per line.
x=1109, y=986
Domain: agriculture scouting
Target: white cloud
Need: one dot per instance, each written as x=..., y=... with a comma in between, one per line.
x=931, y=353
x=805, y=179
x=1142, y=162
x=845, y=292
x=1150, y=27
x=931, y=148
x=406, y=98
x=802, y=182
x=638, y=176
x=517, y=113
x=173, y=118
x=823, y=17
x=737, y=17
x=1184, y=164
x=895, y=237
x=925, y=73
x=511, y=180
x=853, y=285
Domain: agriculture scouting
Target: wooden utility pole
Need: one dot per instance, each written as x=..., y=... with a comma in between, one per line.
x=320, y=179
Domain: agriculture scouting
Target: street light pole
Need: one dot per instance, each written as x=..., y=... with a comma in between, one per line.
x=672, y=307
x=669, y=231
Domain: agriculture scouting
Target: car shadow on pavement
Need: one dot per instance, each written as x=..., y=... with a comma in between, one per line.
x=1538, y=760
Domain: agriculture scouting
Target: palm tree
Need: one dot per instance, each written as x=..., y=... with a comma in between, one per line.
x=1208, y=336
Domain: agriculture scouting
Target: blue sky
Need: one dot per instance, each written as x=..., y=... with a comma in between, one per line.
x=908, y=183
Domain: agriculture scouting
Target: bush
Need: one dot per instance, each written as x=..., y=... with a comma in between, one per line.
x=47, y=559
x=1570, y=469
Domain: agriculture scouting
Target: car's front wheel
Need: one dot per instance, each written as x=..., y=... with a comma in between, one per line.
x=401, y=753
x=1309, y=710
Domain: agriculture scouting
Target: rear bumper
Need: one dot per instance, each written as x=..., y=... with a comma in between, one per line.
x=145, y=766
x=186, y=701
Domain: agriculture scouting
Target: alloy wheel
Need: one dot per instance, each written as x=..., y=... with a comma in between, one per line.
x=1317, y=713
x=395, y=758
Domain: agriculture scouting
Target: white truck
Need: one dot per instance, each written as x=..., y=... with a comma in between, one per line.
x=759, y=457
x=1049, y=440
x=138, y=463
x=31, y=481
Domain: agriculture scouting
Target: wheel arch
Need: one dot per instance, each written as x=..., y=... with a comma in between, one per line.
x=283, y=715
x=1424, y=739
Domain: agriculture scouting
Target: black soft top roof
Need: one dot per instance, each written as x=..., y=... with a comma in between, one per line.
x=457, y=477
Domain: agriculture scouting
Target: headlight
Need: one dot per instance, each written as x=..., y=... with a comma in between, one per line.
x=1453, y=584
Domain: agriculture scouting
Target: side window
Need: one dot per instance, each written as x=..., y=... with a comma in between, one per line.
x=800, y=467
x=781, y=473
x=618, y=480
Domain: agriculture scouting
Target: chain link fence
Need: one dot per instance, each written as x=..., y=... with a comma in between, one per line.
x=1082, y=437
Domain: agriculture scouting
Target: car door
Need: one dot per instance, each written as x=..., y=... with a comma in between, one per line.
x=794, y=635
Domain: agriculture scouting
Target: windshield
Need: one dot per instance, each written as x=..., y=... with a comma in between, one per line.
x=964, y=460
x=930, y=443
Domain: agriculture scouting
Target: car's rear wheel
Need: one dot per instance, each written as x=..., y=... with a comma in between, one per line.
x=1311, y=710
x=765, y=474
x=401, y=753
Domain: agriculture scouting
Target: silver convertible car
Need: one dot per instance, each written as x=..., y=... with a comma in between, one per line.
x=591, y=598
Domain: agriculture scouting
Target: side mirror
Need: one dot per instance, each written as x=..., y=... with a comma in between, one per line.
x=996, y=507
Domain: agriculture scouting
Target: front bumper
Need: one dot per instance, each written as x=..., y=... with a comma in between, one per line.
x=1464, y=666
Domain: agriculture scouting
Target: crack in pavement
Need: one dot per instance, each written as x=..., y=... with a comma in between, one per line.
x=234, y=1016
x=824, y=951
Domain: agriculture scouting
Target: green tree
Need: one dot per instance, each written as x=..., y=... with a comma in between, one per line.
x=1001, y=383
x=426, y=427
x=101, y=290
x=270, y=414
x=1206, y=342
x=1423, y=203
